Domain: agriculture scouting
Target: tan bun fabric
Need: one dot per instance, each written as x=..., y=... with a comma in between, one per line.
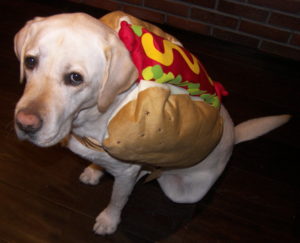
x=113, y=19
x=163, y=130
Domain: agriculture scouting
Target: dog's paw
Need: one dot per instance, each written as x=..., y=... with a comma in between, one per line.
x=91, y=176
x=106, y=223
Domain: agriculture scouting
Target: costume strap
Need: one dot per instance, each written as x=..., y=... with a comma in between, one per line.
x=93, y=144
x=90, y=143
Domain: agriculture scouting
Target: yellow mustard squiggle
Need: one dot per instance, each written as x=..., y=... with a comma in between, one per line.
x=166, y=58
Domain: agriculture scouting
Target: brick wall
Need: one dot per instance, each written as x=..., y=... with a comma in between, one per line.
x=272, y=26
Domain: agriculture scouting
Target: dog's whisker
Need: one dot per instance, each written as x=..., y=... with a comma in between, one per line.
x=9, y=129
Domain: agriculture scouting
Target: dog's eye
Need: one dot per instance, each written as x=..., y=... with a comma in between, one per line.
x=73, y=79
x=30, y=62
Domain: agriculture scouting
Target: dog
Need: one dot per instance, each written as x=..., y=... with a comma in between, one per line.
x=77, y=73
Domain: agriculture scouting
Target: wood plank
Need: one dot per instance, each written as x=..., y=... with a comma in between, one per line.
x=25, y=217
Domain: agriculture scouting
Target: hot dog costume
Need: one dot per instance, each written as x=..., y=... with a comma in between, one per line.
x=171, y=118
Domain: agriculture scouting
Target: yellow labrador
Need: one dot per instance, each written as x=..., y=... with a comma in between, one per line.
x=77, y=72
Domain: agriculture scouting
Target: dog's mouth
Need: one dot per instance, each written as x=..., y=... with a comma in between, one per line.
x=25, y=136
x=50, y=141
x=37, y=139
x=45, y=136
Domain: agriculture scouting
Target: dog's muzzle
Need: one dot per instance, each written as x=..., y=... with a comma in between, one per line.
x=28, y=122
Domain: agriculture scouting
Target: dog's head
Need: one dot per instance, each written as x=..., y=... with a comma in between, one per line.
x=70, y=62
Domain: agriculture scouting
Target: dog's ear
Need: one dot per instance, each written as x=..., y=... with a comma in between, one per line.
x=20, y=40
x=120, y=73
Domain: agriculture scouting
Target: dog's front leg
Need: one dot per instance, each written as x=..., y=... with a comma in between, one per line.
x=108, y=220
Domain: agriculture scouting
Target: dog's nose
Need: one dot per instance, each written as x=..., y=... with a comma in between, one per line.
x=28, y=121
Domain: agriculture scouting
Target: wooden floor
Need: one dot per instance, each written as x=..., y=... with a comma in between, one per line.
x=256, y=199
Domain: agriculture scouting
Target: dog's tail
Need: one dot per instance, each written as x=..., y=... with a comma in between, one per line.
x=254, y=128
